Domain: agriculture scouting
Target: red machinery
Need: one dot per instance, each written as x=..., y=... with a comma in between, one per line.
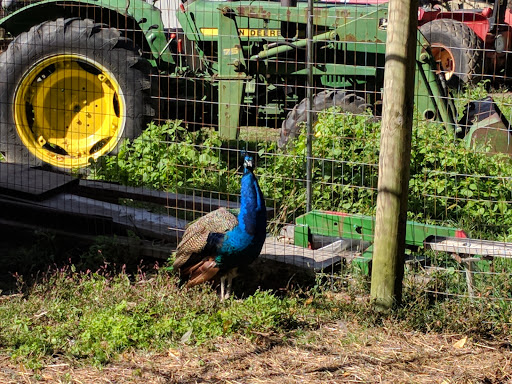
x=469, y=44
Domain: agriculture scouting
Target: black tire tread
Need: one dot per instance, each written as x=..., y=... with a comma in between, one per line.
x=462, y=38
x=347, y=101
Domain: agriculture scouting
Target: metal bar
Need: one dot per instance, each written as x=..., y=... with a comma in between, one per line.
x=298, y=44
x=309, y=118
x=484, y=248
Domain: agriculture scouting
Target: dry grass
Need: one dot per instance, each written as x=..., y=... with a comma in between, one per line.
x=336, y=353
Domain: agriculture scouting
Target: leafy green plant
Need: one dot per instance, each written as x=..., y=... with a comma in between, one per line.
x=166, y=157
x=344, y=171
x=449, y=183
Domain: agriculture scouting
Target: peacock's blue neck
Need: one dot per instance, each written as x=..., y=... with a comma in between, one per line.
x=252, y=204
x=243, y=243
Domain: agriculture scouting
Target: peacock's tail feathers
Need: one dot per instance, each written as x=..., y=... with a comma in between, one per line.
x=201, y=272
x=196, y=235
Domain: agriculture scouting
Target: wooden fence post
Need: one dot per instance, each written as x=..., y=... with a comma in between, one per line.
x=395, y=154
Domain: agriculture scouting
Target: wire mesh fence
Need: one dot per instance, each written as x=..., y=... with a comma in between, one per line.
x=162, y=98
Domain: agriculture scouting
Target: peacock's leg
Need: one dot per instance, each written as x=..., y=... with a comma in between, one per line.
x=230, y=284
x=222, y=283
x=225, y=290
x=230, y=276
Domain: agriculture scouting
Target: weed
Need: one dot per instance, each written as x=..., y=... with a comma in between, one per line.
x=95, y=316
x=168, y=157
x=449, y=183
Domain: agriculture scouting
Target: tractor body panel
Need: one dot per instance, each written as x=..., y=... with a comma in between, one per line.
x=246, y=60
x=260, y=46
x=133, y=14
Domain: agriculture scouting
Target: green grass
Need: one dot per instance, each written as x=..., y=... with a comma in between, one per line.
x=95, y=316
x=88, y=317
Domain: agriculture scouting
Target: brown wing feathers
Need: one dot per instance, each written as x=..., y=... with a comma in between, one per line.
x=199, y=273
x=194, y=265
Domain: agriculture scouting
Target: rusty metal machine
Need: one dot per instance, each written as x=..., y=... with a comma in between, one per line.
x=81, y=75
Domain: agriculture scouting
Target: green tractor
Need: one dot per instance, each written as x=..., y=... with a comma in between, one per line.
x=78, y=76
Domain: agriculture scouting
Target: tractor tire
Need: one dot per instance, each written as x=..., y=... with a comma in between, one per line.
x=348, y=102
x=71, y=90
x=457, y=50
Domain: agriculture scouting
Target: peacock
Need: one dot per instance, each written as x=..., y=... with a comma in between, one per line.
x=215, y=245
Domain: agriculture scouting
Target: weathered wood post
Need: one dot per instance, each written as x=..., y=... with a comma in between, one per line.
x=395, y=154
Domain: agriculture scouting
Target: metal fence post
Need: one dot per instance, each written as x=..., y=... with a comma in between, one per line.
x=309, y=119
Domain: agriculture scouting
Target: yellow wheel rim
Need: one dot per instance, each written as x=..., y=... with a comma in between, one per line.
x=69, y=109
x=444, y=59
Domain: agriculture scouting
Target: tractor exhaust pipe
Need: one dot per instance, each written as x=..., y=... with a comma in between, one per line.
x=289, y=3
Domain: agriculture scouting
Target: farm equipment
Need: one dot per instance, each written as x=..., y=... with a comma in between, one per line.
x=469, y=44
x=354, y=234
x=80, y=75
x=348, y=238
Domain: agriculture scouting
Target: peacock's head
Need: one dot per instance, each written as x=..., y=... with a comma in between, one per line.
x=248, y=162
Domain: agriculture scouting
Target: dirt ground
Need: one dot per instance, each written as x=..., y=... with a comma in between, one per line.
x=336, y=353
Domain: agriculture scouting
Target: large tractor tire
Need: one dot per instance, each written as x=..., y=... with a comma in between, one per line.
x=457, y=50
x=346, y=101
x=70, y=91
